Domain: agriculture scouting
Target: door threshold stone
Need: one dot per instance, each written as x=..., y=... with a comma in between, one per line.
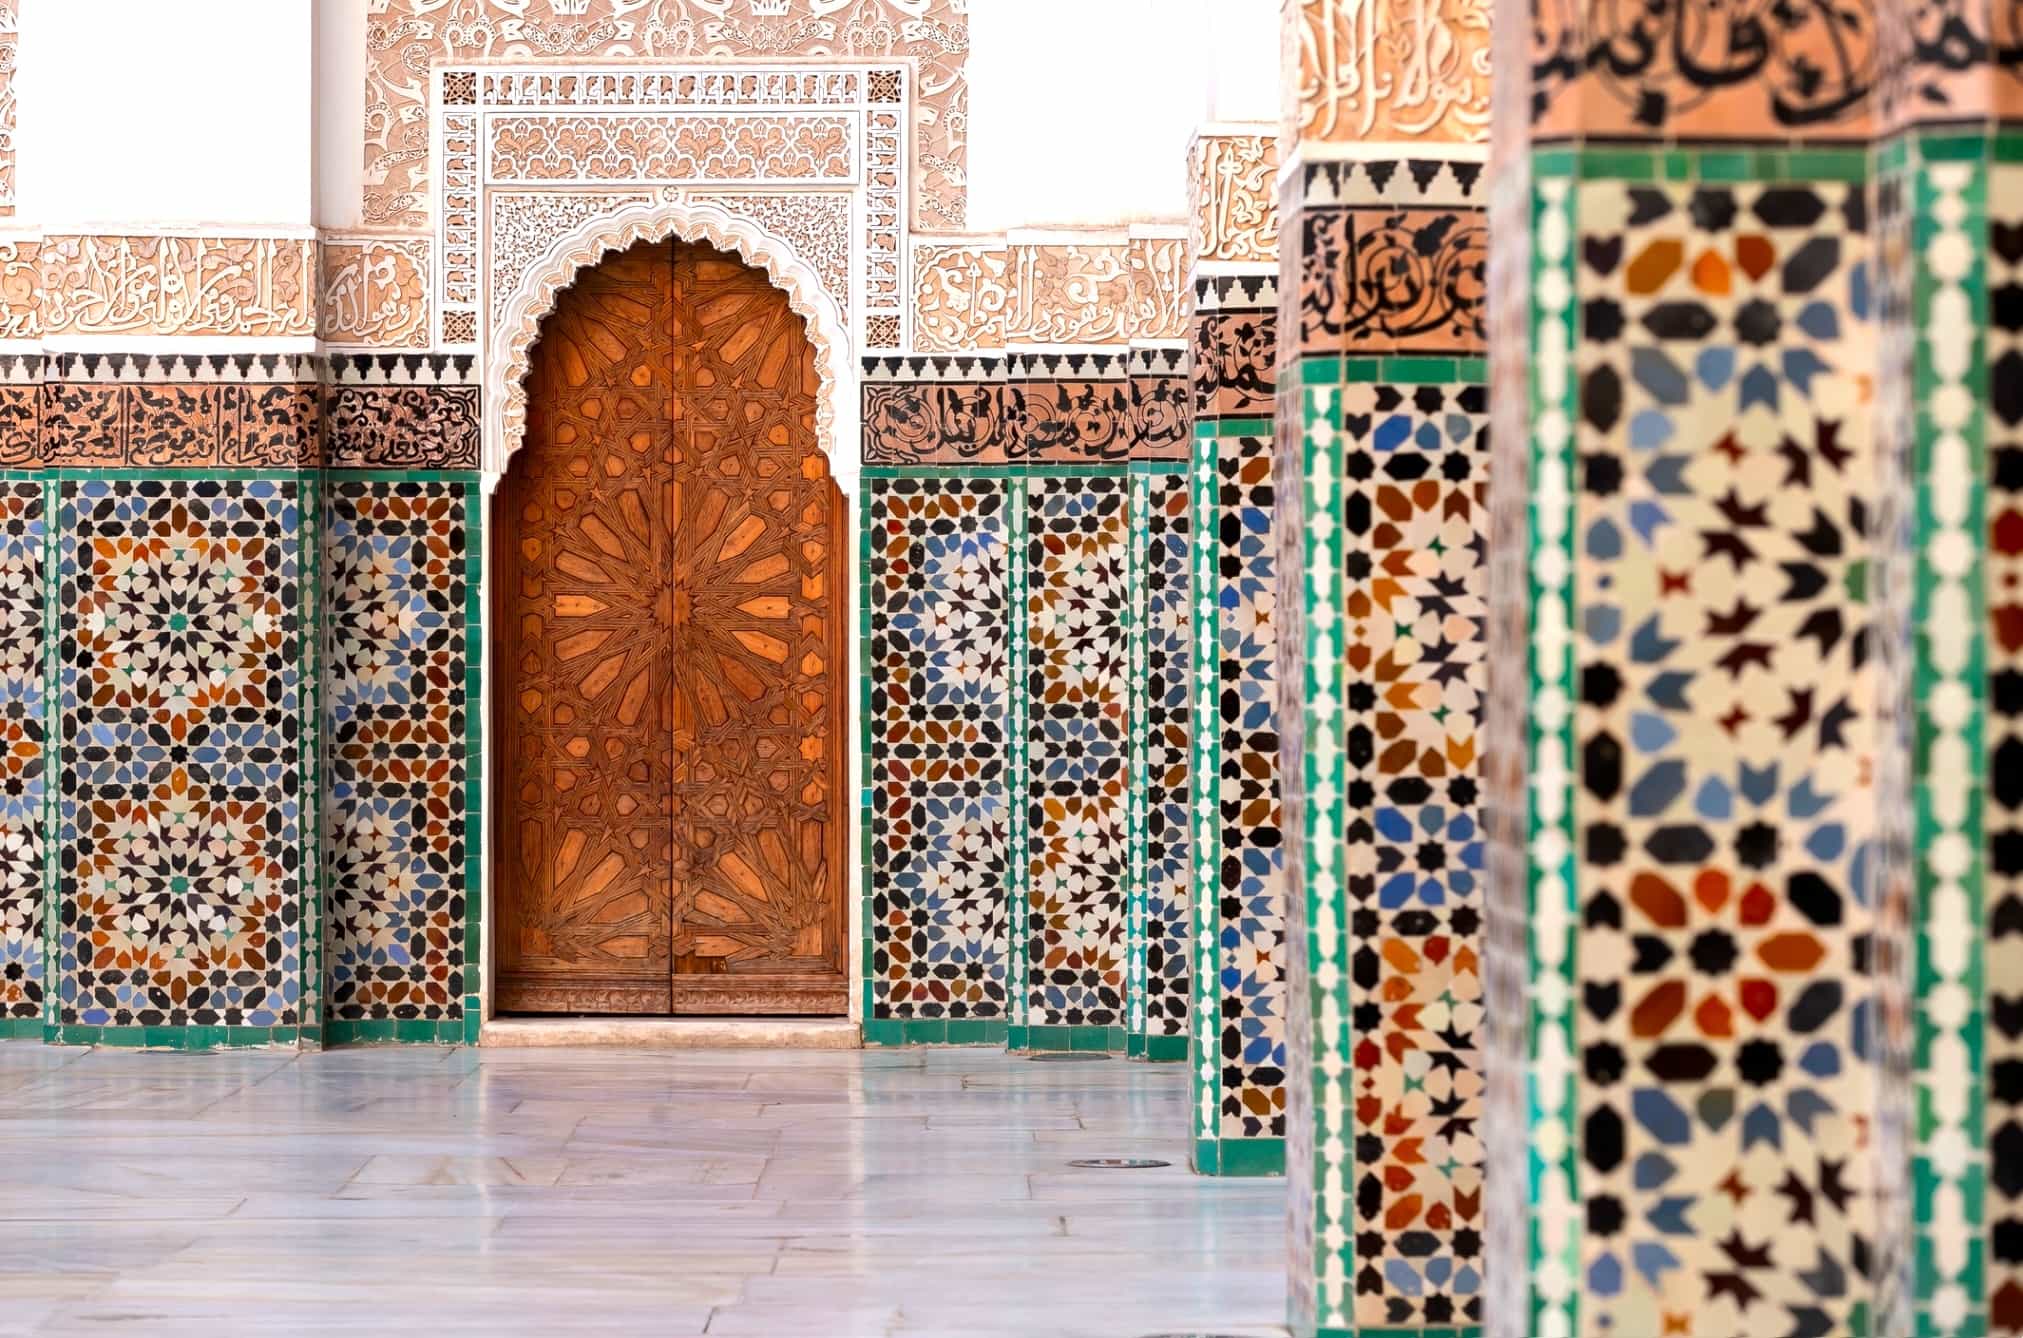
x=674, y=1033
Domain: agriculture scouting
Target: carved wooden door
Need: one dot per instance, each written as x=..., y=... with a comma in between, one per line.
x=758, y=846
x=668, y=721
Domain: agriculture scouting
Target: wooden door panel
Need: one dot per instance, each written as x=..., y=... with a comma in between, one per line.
x=667, y=707
x=587, y=663
x=758, y=888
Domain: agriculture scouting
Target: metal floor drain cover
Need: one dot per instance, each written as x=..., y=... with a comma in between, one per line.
x=1066, y=1057
x=1118, y=1163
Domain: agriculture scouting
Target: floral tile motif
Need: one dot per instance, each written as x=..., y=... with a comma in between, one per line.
x=180, y=780
x=1723, y=812
x=397, y=697
x=1073, y=917
x=938, y=615
x=23, y=747
x=1415, y=487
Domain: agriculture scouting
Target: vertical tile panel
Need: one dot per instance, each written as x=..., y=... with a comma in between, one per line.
x=1077, y=530
x=2002, y=911
x=398, y=835
x=1724, y=738
x=937, y=663
x=23, y=752
x=180, y=783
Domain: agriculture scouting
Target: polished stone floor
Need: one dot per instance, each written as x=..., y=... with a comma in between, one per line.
x=440, y=1192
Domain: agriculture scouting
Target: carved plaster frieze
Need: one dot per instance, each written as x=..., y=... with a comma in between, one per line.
x=240, y=287
x=406, y=38
x=602, y=146
x=375, y=292
x=1232, y=197
x=512, y=337
x=1390, y=71
x=961, y=288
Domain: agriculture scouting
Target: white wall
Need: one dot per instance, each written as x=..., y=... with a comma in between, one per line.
x=340, y=112
x=153, y=112
x=1242, y=39
x=1080, y=110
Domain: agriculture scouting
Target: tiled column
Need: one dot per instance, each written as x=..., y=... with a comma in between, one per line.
x=1694, y=982
x=1237, y=1050
x=1384, y=528
x=1949, y=215
x=1156, y=984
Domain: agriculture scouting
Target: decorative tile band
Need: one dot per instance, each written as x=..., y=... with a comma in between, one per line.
x=279, y=411
x=935, y=655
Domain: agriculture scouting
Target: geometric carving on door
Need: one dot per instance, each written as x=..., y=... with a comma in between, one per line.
x=668, y=706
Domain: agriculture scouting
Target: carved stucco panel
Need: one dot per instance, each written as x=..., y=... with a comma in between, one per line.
x=606, y=147
x=375, y=292
x=960, y=292
x=1389, y=70
x=249, y=287
x=405, y=38
x=1233, y=198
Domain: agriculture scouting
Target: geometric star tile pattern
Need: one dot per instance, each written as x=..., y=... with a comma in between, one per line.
x=23, y=747
x=399, y=700
x=1077, y=532
x=1414, y=470
x=2002, y=903
x=1161, y=616
x=1724, y=712
x=1702, y=1042
x=937, y=657
x=180, y=768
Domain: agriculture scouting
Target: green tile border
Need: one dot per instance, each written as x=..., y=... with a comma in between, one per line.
x=1709, y=162
x=1080, y=1039
x=1156, y=1049
x=20, y=1028
x=883, y=1032
x=1236, y=1157
x=389, y=1031
x=1392, y=369
x=173, y=1038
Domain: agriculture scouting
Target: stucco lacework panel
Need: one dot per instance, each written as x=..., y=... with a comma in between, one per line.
x=405, y=37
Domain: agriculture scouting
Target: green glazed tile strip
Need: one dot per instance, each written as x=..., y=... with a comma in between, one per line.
x=1552, y=924
x=1949, y=231
x=1204, y=772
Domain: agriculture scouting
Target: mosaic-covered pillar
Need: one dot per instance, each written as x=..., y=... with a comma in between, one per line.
x=937, y=531
x=1237, y=1050
x=1156, y=984
x=1383, y=530
x=1696, y=1005
x=1948, y=223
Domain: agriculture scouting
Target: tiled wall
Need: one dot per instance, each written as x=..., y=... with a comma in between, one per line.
x=203, y=622
x=1019, y=887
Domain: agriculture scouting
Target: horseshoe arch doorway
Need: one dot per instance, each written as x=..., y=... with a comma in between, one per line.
x=668, y=611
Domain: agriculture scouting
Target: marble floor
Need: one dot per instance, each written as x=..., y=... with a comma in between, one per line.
x=782, y=1195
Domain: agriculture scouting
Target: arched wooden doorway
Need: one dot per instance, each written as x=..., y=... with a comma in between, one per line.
x=670, y=632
